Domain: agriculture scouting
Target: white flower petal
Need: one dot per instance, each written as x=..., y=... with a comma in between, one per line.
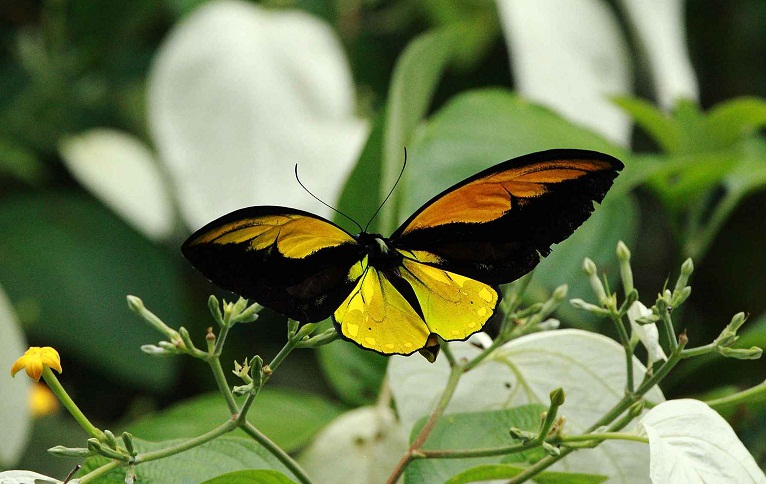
x=29, y=477
x=362, y=445
x=647, y=333
x=238, y=95
x=659, y=25
x=690, y=443
x=590, y=368
x=121, y=171
x=15, y=411
x=571, y=56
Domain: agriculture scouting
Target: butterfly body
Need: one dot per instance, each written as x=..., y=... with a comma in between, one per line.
x=437, y=274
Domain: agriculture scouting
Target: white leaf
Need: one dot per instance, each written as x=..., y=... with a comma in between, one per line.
x=571, y=56
x=589, y=367
x=122, y=172
x=361, y=446
x=238, y=95
x=659, y=25
x=690, y=443
x=647, y=333
x=15, y=419
x=29, y=477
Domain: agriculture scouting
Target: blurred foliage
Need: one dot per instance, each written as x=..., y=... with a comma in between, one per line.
x=67, y=262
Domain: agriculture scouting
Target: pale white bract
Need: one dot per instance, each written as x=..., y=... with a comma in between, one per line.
x=690, y=443
x=238, y=95
x=29, y=477
x=659, y=25
x=572, y=56
x=647, y=333
x=123, y=173
x=361, y=446
x=588, y=366
x=15, y=418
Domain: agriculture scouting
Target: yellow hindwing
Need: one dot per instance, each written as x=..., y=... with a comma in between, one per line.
x=454, y=306
x=376, y=316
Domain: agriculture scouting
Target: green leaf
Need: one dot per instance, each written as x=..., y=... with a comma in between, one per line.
x=307, y=414
x=251, y=477
x=687, y=177
x=499, y=471
x=209, y=460
x=657, y=124
x=355, y=374
x=480, y=128
x=464, y=431
x=732, y=121
x=68, y=263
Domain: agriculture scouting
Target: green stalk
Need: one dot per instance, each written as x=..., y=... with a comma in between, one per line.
x=96, y=473
x=738, y=398
x=220, y=380
x=276, y=451
x=68, y=403
x=463, y=454
x=628, y=348
x=224, y=428
x=449, y=390
x=604, y=436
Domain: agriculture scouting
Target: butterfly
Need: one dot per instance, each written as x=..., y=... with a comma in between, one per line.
x=436, y=275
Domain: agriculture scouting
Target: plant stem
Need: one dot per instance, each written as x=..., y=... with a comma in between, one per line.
x=628, y=348
x=96, y=473
x=740, y=397
x=700, y=350
x=496, y=343
x=220, y=379
x=462, y=454
x=68, y=403
x=604, y=436
x=224, y=428
x=276, y=451
x=286, y=349
x=449, y=390
x=539, y=466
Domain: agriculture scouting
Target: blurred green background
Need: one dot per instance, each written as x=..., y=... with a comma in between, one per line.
x=67, y=259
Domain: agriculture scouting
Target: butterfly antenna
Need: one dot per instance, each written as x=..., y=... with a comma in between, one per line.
x=322, y=202
x=404, y=165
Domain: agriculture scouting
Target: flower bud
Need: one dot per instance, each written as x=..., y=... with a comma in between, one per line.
x=215, y=309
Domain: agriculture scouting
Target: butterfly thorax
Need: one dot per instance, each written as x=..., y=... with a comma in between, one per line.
x=379, y=250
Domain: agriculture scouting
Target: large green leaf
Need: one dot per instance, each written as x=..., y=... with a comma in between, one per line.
x=464, y=431
x=290, y=418
x=503, y=471
x=68, y=264
x=209, y=460
x=251, y=477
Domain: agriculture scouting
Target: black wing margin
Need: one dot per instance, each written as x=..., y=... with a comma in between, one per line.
x=289, y=260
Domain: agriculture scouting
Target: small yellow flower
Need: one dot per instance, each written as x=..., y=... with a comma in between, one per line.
x=35, y=359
